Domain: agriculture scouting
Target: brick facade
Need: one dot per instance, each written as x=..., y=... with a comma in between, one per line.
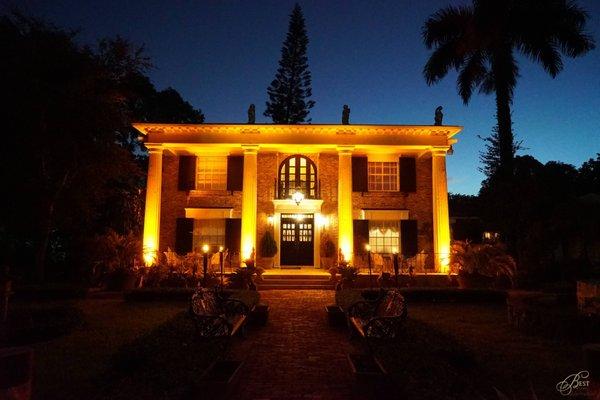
x=174, y=201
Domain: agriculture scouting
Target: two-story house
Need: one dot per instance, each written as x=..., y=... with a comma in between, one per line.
x=227, y=184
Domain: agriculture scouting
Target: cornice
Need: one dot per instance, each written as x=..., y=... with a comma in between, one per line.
x=270, y=129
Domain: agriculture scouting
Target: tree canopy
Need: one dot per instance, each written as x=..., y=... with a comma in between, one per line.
x=290, y=90
x=70, y=161
x=480, y=42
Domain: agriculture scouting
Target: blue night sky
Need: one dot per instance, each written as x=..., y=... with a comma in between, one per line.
x=221, y=56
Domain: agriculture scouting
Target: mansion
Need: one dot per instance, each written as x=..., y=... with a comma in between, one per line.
x=381, y=187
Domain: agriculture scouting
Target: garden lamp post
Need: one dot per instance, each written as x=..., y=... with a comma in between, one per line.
x=396, y=266
x=221, y=263
x=204, y=263
x=368, y=248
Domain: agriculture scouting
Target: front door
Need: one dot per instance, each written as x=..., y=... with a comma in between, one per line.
x=297, y=239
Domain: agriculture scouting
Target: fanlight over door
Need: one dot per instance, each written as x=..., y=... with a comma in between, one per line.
x=297, y=172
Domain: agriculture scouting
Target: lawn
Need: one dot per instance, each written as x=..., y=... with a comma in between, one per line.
x=467, y=350
x=73, y=366
x=448, y=351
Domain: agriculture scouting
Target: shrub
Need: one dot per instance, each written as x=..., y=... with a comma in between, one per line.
x=488, y=259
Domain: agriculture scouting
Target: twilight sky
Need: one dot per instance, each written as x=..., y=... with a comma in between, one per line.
x=221, y=55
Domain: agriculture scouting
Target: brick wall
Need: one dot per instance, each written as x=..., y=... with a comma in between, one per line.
x=174, y=202
x=419, y=204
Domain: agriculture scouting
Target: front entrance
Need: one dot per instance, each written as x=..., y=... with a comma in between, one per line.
x=297, y=239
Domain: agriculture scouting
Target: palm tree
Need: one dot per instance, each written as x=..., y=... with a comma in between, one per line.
x=480, y=42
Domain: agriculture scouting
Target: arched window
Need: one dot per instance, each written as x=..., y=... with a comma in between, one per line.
x=297, y=173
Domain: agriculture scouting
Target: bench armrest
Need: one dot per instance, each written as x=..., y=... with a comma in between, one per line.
x=232, y=307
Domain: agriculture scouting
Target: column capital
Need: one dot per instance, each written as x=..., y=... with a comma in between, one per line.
x=439, y=151
x=154, y=149
x=345, y=149
x=250, y=148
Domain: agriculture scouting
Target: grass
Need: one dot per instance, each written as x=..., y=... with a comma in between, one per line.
x=466, y=350
x=72, y=366
x=448, y=351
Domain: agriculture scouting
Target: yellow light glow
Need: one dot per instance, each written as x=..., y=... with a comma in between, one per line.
x=152, y=211
x=249, y=200
x=367, y=247
x=322, y=220
x=270, y=220
x=345, y=227
x=221, y=249
x=205, y=248
x=299, y=217
x=441, y=223
x=395, y=250
x=149, y=258
x=247, y=250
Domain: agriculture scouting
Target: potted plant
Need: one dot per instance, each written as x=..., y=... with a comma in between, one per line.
x=327, y=252
x=482, y=265
x=268, y=248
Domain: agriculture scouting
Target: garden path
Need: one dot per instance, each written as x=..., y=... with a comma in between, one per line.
x=297, y=355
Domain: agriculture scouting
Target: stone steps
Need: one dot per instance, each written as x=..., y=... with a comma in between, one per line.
x=295, y=282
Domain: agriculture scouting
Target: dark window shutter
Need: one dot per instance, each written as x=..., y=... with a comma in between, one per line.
x=184, y=235
x=235, y=173
x=187, y=173
x=408, y=237
x=360, y=174
x=361, y=235
x=233, y=235
x=408, y=174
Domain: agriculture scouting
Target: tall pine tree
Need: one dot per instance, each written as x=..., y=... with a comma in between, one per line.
x=289, y=92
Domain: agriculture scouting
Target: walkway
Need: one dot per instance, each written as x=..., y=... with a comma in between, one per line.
x=297, y=355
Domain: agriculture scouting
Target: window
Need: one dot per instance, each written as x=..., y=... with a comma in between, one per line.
x=297, y=173
x=210, y=232
x=384, y=236
x=383, y=176
x=211, y=173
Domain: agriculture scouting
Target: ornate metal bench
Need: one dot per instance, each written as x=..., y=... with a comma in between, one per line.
x=381, y=319
x=216, y=316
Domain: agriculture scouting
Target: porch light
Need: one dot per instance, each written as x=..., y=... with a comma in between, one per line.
x=221, y=249
x=270, y=220
x=322, y=220
x=298, y=196
x=367, y=247
x=205, y=248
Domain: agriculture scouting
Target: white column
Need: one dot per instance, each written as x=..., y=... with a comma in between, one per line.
x=441, y=223
x=345, y=228
x=152, y=211
x=249, y=200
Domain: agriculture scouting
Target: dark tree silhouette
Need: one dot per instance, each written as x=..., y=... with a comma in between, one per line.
x=490, y=157
x=289, y=92
x=480, y=42
x=69, y=162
